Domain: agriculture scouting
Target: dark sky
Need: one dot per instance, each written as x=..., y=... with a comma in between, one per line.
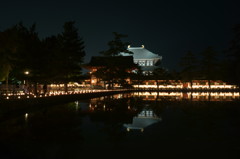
x=167, y=27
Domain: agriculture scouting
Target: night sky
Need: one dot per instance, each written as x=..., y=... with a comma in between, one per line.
x=169, y=28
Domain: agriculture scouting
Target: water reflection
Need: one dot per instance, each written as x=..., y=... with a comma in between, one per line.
x=114, y=124
x=144, y=119
x=194, y=96
x=139, y=110
x=26, y=116
x=132, y=113
x=76, y=105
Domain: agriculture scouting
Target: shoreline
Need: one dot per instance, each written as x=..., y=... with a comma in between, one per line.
x=8, y=104
x=188, y=90
x=12, y=107
x=8, y=107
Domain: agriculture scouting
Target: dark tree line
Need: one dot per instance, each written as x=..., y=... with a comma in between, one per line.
x=55, y=59
x=210, y=67
x=116, y=46
x=206, y=65
x=233, y=58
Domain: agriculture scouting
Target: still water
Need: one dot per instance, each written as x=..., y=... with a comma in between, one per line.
x=142, y=124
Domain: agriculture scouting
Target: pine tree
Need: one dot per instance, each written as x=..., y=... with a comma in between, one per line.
x=71, y=53
x=160, y=74
x=209, y=65
x=188, y=64
x=116, y=46
x=234, y=57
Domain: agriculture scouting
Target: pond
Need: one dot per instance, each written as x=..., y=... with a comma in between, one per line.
x=141, y=124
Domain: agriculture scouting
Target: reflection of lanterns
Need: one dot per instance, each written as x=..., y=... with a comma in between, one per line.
x=26, y=116
x=26, y=73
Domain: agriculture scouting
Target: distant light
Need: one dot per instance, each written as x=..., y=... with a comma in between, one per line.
x=129, y=46
x=26, y=116
x=26, y=72
x=142, y=46
x=76, y=102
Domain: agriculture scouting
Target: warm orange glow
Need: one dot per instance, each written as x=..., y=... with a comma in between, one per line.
x=26, y=116
x=181, y=86
x=26, y=72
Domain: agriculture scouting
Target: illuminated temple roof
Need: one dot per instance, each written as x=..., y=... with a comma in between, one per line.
x=141, y=53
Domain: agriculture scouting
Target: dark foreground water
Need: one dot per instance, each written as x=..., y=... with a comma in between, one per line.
x=125, y=125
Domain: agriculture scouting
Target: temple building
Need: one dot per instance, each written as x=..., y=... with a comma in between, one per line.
x=102, y=68
x=144, y=58
x=106, y=69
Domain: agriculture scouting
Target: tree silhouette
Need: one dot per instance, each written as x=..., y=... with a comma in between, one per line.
x=51, y=52
x=113, y=70
x=7, y=51
x=160, y=75
x=22, y=47
x=209, y=65
x=10, y=44
x=116, y=70
x=116, y=46
x=54, y=59
x=234, y=57
x=71, y=54
x=188, y=64
x=138, y=77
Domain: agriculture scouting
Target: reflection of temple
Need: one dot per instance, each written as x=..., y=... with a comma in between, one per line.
x=144, y=119
x=194, y=96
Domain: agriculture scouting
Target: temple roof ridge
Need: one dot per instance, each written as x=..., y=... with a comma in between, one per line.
x=141, y=47
x=141, y=53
